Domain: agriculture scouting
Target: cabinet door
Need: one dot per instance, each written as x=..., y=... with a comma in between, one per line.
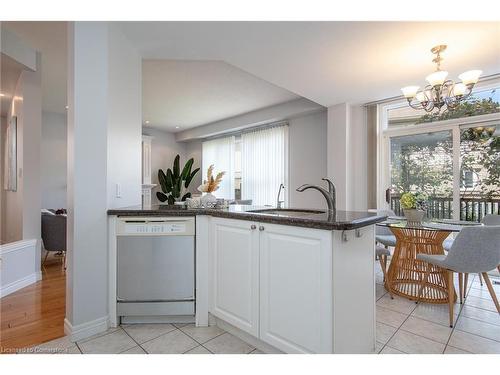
x=296, y=288
x=234, y=269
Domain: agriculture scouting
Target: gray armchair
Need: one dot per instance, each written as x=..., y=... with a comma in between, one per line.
x=54, y=234
x=475, y=250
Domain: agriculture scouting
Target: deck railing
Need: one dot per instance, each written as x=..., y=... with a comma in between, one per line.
x=472, y=207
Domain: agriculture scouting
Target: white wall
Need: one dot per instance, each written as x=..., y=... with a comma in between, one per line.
x=278, y=112
x=86, y=284
x=164, y=148
x=32, y=133
x=359, y=159
x=19, y=266
x=53, y=160
x=307, y=159
x=347, y=155
x=104, y=148
x=13, y=207
x=22, y=207
x=124, y=120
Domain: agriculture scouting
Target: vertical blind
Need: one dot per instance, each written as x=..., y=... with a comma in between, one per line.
x=264, y=155
x=220, y=153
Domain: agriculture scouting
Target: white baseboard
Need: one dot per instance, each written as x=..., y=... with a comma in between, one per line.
x=249, y=339
x=84, y=330
x=5, y=290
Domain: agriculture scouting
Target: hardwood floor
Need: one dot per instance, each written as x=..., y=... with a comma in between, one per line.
x=34, y=314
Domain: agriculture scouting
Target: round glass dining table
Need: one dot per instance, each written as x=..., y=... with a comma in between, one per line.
x=406, y=273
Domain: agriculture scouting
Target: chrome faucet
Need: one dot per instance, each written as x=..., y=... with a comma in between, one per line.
x=279, y=204
x=331, y=190
x=328, y=194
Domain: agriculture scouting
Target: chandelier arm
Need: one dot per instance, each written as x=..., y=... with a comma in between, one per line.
x=417, y=107
x=440, y=96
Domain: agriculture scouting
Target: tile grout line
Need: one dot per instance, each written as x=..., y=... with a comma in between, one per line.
x=175, y=329
x=201, y=344
x=397, y=330
x=477, y=320
x=154, y=338
x=139, y=345
x=98, y=337
x=78, y=346
x=390, y=338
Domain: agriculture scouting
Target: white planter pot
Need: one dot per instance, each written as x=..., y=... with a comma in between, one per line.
x=414, y=216
x=208, y=198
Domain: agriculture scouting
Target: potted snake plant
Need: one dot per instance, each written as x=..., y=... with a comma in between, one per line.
x=175, y=182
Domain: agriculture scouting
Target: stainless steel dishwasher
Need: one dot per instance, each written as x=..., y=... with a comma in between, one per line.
x=155, y=269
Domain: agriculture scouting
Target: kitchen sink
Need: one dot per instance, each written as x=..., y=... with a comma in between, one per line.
x=287, y=212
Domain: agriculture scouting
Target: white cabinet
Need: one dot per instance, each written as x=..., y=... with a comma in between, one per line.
x=296, y=288
x=274, y=282
x=234, y=271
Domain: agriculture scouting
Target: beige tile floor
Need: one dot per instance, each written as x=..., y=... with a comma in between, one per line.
x=405, y=327
x=402, y=327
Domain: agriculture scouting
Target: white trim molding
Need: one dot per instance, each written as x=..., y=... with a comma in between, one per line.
x=18, y=284
x=17, y=266
x=85, y=330
x=16, y=246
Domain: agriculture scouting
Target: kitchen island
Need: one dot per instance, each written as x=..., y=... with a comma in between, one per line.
x=295, y=281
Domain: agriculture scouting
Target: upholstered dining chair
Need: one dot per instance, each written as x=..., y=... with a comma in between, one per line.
x=488, y=220
x=475, y=250
x=381, y=254
x=383, y=235
x=383, y=239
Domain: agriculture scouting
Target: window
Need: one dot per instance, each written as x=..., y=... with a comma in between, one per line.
x=220, y=153
x=255, y=162
x=264, y=155
x=423, y=163
x=453, y=157
x=480, y=171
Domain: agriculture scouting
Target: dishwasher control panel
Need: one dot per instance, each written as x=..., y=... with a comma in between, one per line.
x=129, y=226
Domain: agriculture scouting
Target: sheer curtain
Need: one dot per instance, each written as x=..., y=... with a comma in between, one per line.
x=264, y=155
x=220, y=153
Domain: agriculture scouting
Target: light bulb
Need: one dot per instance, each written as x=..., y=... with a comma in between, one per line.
x=421, y=97
x=409, y=92
x=437, y=78
x=459, y=89
x=470, y=77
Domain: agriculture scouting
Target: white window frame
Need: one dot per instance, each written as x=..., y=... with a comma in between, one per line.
x=384, y=133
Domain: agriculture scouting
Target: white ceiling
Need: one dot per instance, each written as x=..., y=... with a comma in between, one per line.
x=50, y=39
x=178, y=95
x=327, y=62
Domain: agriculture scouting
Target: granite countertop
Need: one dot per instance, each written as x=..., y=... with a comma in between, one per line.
x=341, y=220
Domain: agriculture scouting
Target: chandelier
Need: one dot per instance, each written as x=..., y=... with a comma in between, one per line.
x=441, y=93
